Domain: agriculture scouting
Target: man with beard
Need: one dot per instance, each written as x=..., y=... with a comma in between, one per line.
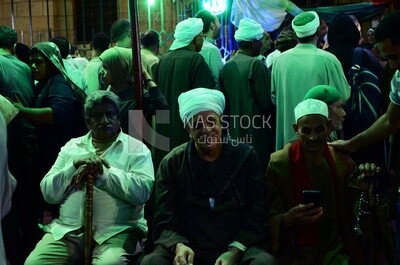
x=321, y=231
x=209, y=194
x=123, y=180
x=210, y=51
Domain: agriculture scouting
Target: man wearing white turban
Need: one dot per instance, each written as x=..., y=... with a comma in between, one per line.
x=320, y=230
x=245, y=81
x=180, y=70
x=299, y=69
x=210, y=194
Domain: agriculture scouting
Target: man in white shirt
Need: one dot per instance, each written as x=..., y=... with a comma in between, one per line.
x=124, y=177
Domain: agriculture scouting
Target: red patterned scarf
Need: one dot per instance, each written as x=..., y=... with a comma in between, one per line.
x=306, y=234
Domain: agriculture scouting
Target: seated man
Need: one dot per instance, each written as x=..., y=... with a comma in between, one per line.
x=124, y=177
x=209, y=194
x=303, y=233
x=331, y=97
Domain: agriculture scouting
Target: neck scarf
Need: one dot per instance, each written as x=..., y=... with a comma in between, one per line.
x=306, y=234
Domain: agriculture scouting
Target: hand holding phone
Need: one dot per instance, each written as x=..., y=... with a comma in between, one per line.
x=312, y=196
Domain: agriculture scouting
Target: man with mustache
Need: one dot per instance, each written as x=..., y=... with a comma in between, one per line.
x=123, y=181
x=302, y=232
x=209, y=194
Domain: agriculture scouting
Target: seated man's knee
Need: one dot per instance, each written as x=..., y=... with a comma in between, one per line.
x=258, y=256
x=264, y=259
x=111, y=256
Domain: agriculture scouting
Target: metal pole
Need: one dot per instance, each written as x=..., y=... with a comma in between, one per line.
x=129, y=7
x=137, y=66
x=66, y=18
x=12, y=15
x=101, y=17
x=83, y=24
x=148, y=16
x=48, y=21
x=30, y=23
x=118, y=9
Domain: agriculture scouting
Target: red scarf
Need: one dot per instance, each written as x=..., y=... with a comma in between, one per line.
x=307, y=234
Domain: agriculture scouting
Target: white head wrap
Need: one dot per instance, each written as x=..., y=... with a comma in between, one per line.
x=249, y=30
x=197, y=100
x=310, y=106
x=185, y=31
x=305, y=24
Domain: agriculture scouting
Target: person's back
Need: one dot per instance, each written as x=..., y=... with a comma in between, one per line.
x=7, y=184
x=16, y=84
x=150, y=42
x=100, y=43
x=297, y=70
x=12, y=87
x=180, y=70
x=245, y=81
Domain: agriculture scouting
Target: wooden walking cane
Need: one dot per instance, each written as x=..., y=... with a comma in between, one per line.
x=89, y=220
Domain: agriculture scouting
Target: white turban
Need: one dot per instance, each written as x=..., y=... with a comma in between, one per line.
x=305, y=24
x=197, y=100
x=249, y=30
x=185, y=32
x=310, y=106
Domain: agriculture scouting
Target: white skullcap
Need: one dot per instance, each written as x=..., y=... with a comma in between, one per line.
x=197, y=100
x=185, y=32
x=310, y=106
x=305, y=24
x=249, y=30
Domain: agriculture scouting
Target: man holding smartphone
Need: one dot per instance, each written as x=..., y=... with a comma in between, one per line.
x=320, y=230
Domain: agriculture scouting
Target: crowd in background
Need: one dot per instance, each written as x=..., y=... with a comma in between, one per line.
x=235, y=201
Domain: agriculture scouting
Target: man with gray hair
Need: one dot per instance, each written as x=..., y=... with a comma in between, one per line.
x=123, y=181
x=299, y=69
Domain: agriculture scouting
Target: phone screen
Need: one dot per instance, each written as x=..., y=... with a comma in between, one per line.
x=312, y=196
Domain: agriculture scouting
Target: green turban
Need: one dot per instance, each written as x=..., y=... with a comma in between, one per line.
x=324, y=93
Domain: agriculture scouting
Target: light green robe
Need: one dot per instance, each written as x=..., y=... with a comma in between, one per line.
x=296, y=71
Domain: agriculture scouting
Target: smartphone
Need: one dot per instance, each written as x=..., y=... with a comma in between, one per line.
x=312, y=196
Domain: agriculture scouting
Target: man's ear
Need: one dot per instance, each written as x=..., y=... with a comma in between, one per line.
x=130, y=33
x=330, y=125
x=187, y=128
x=212, y=25
x=295, y=128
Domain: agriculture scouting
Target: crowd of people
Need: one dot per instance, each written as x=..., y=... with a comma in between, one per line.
x=242, y=162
